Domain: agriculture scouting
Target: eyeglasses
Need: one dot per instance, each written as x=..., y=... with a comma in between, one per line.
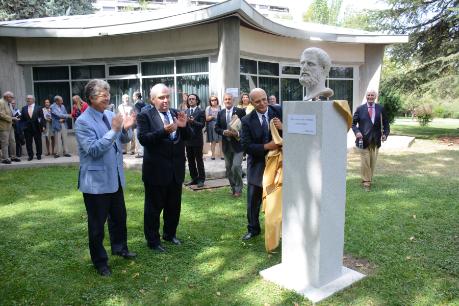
x=103, y=96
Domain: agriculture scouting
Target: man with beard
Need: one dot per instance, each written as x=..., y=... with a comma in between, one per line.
x=315, y=66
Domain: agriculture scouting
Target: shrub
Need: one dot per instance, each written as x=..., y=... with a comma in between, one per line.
x=424, y=114
x=391, y=102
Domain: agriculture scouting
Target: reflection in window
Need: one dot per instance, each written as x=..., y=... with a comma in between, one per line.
x=292, y=90
x=291, y=70
x=51, y=73
x=88, y=72
x=120, y=87
x=248, y=66
x=158, y=68
x=122, y=70
x=270, y=85
x=341, y=72
x=148, y=83
x=193, y=65
x=342, y=90
x=266, y=68
x=78, y=89
x=247, y=83
x=48, y=90
x=198, y=84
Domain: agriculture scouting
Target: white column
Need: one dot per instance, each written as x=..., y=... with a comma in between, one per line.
x=314, y=197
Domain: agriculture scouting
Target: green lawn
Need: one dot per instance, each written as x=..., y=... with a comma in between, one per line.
x=407, y=228
x=436, y=129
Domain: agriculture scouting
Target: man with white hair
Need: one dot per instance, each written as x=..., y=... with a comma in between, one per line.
x=32, y=123
x=59, y=116
x=7, y=140
x=370, y=126
x=162, y=132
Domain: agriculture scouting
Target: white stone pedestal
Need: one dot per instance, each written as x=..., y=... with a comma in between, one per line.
x=314, y=197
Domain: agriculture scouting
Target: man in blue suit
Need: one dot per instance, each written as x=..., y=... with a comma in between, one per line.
x=257, y=140
x=370, y=126
x=100, y=135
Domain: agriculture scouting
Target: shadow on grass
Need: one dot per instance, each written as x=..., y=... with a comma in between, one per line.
x=45, y=259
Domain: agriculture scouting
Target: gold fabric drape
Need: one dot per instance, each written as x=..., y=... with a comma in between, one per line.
x=343, y=108
x=272, y=193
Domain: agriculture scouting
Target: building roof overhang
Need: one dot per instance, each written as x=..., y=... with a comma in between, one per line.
x=124, y=23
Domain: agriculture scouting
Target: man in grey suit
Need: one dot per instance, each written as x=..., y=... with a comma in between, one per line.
x=100, y=135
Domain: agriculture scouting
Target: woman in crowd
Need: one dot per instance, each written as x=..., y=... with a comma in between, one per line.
x=245, y=103
x=48, y=132
x=211, y=118
x=184, y=105
x=79, y=106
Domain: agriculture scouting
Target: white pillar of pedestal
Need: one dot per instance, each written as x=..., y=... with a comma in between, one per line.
x=314, y=197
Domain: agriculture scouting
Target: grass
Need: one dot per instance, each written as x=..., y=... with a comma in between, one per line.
x=436, y=129
x=407, y=228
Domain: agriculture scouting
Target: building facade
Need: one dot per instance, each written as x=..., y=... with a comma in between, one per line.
x=204, y=51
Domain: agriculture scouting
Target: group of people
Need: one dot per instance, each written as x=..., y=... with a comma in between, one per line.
x=29, y=124
x=168, y=137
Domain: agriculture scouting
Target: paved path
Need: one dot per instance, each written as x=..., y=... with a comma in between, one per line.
x=214, y=168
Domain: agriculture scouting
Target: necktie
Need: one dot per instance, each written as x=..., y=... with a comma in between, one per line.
x=166, y=121
x=107, y=124
x=30, y=111
x=228, y=118
x=265, y=129
x=370, y=112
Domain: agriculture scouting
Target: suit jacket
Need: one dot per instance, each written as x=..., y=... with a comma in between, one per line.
x=57, y=113
x=5, y=116
x=163, y=158
x=361, y=122
x=252, y=142
x=197, y=126
x=228, y=143
x=33, y=125
x=100, y=150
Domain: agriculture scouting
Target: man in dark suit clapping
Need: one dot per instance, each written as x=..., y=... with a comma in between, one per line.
x=232, y=149
x=194, y=146
x=257, y=141
x=32, y=121
x=162, y=131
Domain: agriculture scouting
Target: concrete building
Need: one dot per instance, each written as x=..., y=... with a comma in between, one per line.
x=204, y=50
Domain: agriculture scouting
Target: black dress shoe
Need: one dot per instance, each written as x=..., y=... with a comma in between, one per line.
x=173, y=240
x=67, y=155
x=6, y=161
x=104, y=271
x=158, y=248
x=30, y=158
x=56, y=155
x=125, y=254
x=38, y=157
x=200, y=184
x=191, y=183
x=249, y=235
x=15, y=159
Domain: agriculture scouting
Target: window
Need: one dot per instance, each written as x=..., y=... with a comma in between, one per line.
x=197, y=84
x=122, y=70
x=291, y=90
x=88, y=72
x=51, y=73
x=193, y=65
x=270, y=85
x=158, y=68
x=291, y=70
x=120, y=87
x=248, y=66
x=247, y=83
x=266, y=68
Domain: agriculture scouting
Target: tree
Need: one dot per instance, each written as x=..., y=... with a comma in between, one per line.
x=428, y=65
x=321, y=12
x=25, y=9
